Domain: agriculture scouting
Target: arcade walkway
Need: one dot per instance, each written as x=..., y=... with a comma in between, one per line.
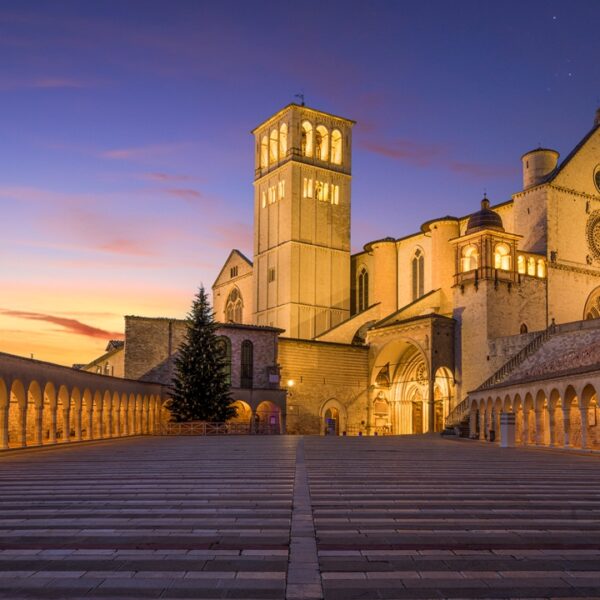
x=410, y=517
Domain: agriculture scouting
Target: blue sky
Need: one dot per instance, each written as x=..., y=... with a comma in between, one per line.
x=126, y=160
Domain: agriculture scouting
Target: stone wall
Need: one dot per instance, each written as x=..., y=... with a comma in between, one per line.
x=150, y=344
x=324, y=373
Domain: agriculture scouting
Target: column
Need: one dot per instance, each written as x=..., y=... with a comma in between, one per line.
x=39, y=413
x=99, y=418
x=584, y=426
x=90, y=420
x=52, y=425
x=567, y=425
x=481, y=424
x=22, y=425
x=4, y=427
x=117, y=419
x=78, y=423
x=539, y=440
x=431, y=405
x=108, y=415
x=552, y=425
x=67, y=422
x=525, y=432
x=123, y=418
x=472, y=423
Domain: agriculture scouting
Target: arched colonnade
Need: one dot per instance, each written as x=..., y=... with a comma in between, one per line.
x=42, y=403
x=554, y=414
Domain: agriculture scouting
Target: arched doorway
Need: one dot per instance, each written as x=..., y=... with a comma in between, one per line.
x=267, y=418
x=406, y=385
x=333, y=418
x=243, y=418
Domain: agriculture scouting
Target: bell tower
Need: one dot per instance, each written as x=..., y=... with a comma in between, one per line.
x=302, y=221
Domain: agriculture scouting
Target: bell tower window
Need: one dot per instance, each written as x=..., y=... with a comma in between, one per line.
x=336, y=147
x=307, y=139
x=322, y=143
x=283, y=133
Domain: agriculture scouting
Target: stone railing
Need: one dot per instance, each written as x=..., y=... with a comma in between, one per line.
x=208, y=428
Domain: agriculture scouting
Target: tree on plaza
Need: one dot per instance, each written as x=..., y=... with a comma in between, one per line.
x=200, y=385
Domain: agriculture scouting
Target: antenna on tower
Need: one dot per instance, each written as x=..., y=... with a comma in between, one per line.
x=301, y=96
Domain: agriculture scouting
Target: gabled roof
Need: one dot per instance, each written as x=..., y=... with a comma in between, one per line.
x=235, y=251
x=553, y=174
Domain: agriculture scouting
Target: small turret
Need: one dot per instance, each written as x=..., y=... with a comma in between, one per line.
x=537, y=164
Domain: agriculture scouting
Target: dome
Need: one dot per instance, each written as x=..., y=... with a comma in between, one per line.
x=485, y=218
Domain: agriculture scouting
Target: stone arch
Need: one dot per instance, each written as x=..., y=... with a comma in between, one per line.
x=401, y=373
x=528, y=419
x=307, y=138
x=234, y=306
x=589, y=410
x=243, y=415
x=17, y=415
x=336, y=147
x=333, y=417
x=443, y=396
x=591, y=309
x=508, y=405
x=267, y=417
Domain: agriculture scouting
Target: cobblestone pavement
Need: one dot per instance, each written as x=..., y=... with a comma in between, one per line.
x=289, y=517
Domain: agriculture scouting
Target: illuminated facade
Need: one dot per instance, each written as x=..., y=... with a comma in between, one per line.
x=393, y=338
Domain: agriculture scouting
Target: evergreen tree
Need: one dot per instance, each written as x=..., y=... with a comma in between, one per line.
x=200, y=387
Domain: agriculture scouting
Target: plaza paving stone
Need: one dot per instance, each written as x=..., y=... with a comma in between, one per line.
x=289, y=517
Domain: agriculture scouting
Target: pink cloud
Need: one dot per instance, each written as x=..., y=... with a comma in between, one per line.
x=186, y=194
x=431, y=155
x=70, y=325
x=405, y=150
x=142, y=153
x=125, y=246
x=166, y=177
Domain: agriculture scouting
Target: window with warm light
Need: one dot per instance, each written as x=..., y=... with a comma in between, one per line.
x=281, y=189
x=502, y=257
x=531, y=267
x=264, y=152
x=336, y=147
x=322, y=143
x=307, y=139
x=541, y=268
x=283, y=133
x=521, y=264
x=469, y=258
x=273, y=147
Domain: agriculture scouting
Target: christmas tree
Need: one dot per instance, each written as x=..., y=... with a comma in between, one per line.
x=200, y=387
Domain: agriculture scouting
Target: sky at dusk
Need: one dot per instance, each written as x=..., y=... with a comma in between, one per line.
x=126, y=161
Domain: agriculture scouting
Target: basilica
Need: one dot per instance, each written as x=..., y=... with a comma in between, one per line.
x=393, y=339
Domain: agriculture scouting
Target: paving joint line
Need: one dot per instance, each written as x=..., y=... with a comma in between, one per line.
x=303, y=579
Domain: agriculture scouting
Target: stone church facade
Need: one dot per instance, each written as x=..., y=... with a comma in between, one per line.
x=392, y=339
